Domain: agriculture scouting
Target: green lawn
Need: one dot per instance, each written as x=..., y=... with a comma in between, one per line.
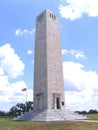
x=92, y=116
x=8, y=124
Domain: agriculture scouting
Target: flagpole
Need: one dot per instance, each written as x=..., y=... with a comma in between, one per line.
x=26, y=100
x=25, y=90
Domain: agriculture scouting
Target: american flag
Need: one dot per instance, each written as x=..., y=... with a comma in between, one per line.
x=24, y=89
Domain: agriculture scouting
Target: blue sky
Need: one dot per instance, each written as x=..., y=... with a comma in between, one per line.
x=78, y=28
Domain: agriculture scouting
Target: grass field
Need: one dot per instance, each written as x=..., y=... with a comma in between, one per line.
x=8, y=124
x=92, y=116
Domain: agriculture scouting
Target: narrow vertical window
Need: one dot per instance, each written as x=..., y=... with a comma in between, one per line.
x=50, y=15
x=54, y=17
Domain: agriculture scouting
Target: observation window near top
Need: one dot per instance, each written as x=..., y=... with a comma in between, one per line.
x=52, y=16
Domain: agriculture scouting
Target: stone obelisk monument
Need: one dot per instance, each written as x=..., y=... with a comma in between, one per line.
x=48, y=74
x=49, y=99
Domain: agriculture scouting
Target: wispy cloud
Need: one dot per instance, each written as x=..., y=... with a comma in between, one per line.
x=76, y=8
x=24, y=32
x=29, y=52
x=77, y=54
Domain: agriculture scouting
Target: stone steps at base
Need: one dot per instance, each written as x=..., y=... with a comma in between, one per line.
x=50, y=115
x=70, y=115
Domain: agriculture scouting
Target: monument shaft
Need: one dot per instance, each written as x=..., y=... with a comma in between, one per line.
x=48, y=74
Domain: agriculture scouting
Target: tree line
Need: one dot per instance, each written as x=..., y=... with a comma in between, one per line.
x=21, y=108
x=18, y=109
x=91, y=111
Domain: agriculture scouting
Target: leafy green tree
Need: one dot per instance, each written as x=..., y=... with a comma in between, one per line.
x=29, y=106
x=13, y=111
x=2, y=113
x=93, y=111
x=20, y=108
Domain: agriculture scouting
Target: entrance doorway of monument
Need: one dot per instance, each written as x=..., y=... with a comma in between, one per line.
x=57, y=100
x=58, y=103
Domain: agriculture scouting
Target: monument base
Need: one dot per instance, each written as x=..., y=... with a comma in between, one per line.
x=50, y=115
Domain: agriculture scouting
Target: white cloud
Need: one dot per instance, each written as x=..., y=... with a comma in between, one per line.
x=32, y=61
x=14, y=95
x=80, y=87
x=29, y=52
x=10, y=62
x=30, y=95
x=77, y=54
x=1, y=71
x=24, y=32
x=10, y=67
x=11, y=92
x=76, y=8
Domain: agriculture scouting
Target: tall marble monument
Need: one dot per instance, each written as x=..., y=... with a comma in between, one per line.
x=48, y=74
x=49, y=99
